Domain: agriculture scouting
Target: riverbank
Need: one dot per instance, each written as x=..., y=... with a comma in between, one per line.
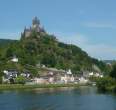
x=106, y=84
x=20, y=86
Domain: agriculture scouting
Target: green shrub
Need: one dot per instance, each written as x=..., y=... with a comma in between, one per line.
x=20, y=80
x=106, y=84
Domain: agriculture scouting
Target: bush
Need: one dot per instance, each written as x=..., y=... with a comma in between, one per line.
x=0, y=80
x=113, y=72
x=106, y=84
x=20, y=80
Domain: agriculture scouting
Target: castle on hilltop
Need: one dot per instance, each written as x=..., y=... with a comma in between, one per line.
x=36, y=27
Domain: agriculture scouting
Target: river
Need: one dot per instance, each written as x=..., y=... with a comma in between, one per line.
x=82, y=98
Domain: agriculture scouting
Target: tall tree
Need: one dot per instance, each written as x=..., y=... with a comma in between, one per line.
x=113, y=72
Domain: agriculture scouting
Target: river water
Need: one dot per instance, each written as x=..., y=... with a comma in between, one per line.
x=83, y=98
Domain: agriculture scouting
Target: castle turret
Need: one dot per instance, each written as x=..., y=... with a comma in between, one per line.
x=35, y=21
x=36, y=26
x=27, y=32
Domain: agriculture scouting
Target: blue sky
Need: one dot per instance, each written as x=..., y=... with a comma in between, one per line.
x=90, y=24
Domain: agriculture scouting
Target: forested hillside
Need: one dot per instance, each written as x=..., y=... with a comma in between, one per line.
x=37, y=47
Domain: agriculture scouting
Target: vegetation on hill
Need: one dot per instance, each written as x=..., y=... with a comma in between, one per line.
x=108, y=84
x=36, y=47
x=4, y=42
x=42, y=48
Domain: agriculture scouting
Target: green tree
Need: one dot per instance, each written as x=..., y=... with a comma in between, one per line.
x=48, y=60
x=9, y=52
x=113, y=72
x=106, y=84
x=1, y=75
x=20, y=80
x=30, y=60
x=31, y=47
x=33, y=70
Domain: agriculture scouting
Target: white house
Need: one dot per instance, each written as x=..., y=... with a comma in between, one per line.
x=27, y=75
x=101, y=76
x=67, y=79
x=72, y=78
x=5, y=72
x=95, y=74
x=39, y=81
x=10, y=73
x=82, y=80
x=69, y=72
x=14, y=59
x=64, y=79
x=51, y=73
x=51, y=80
x=91, y=74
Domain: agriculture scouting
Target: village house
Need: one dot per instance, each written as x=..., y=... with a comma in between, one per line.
x=96, y=74
x=68, y=77
x=26, y=74
x=83, y=80
x=39, y=81
x=10, y=74
x=14, y=59
x=53, y=76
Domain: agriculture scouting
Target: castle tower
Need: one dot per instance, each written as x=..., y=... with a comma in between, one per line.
x=35, y=21
x=36, y=24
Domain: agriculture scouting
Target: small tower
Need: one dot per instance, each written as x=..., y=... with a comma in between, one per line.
x=35, y=24
x=27, y=32
x=35, y=21
x=36, y=27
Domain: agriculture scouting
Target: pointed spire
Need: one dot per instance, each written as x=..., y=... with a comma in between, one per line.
x=35, y=21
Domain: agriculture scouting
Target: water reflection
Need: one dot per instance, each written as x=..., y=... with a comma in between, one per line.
x=82, y=98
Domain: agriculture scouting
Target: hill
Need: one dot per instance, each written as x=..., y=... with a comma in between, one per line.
x=4, y=42
x=109, y=61
x=36, y=47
